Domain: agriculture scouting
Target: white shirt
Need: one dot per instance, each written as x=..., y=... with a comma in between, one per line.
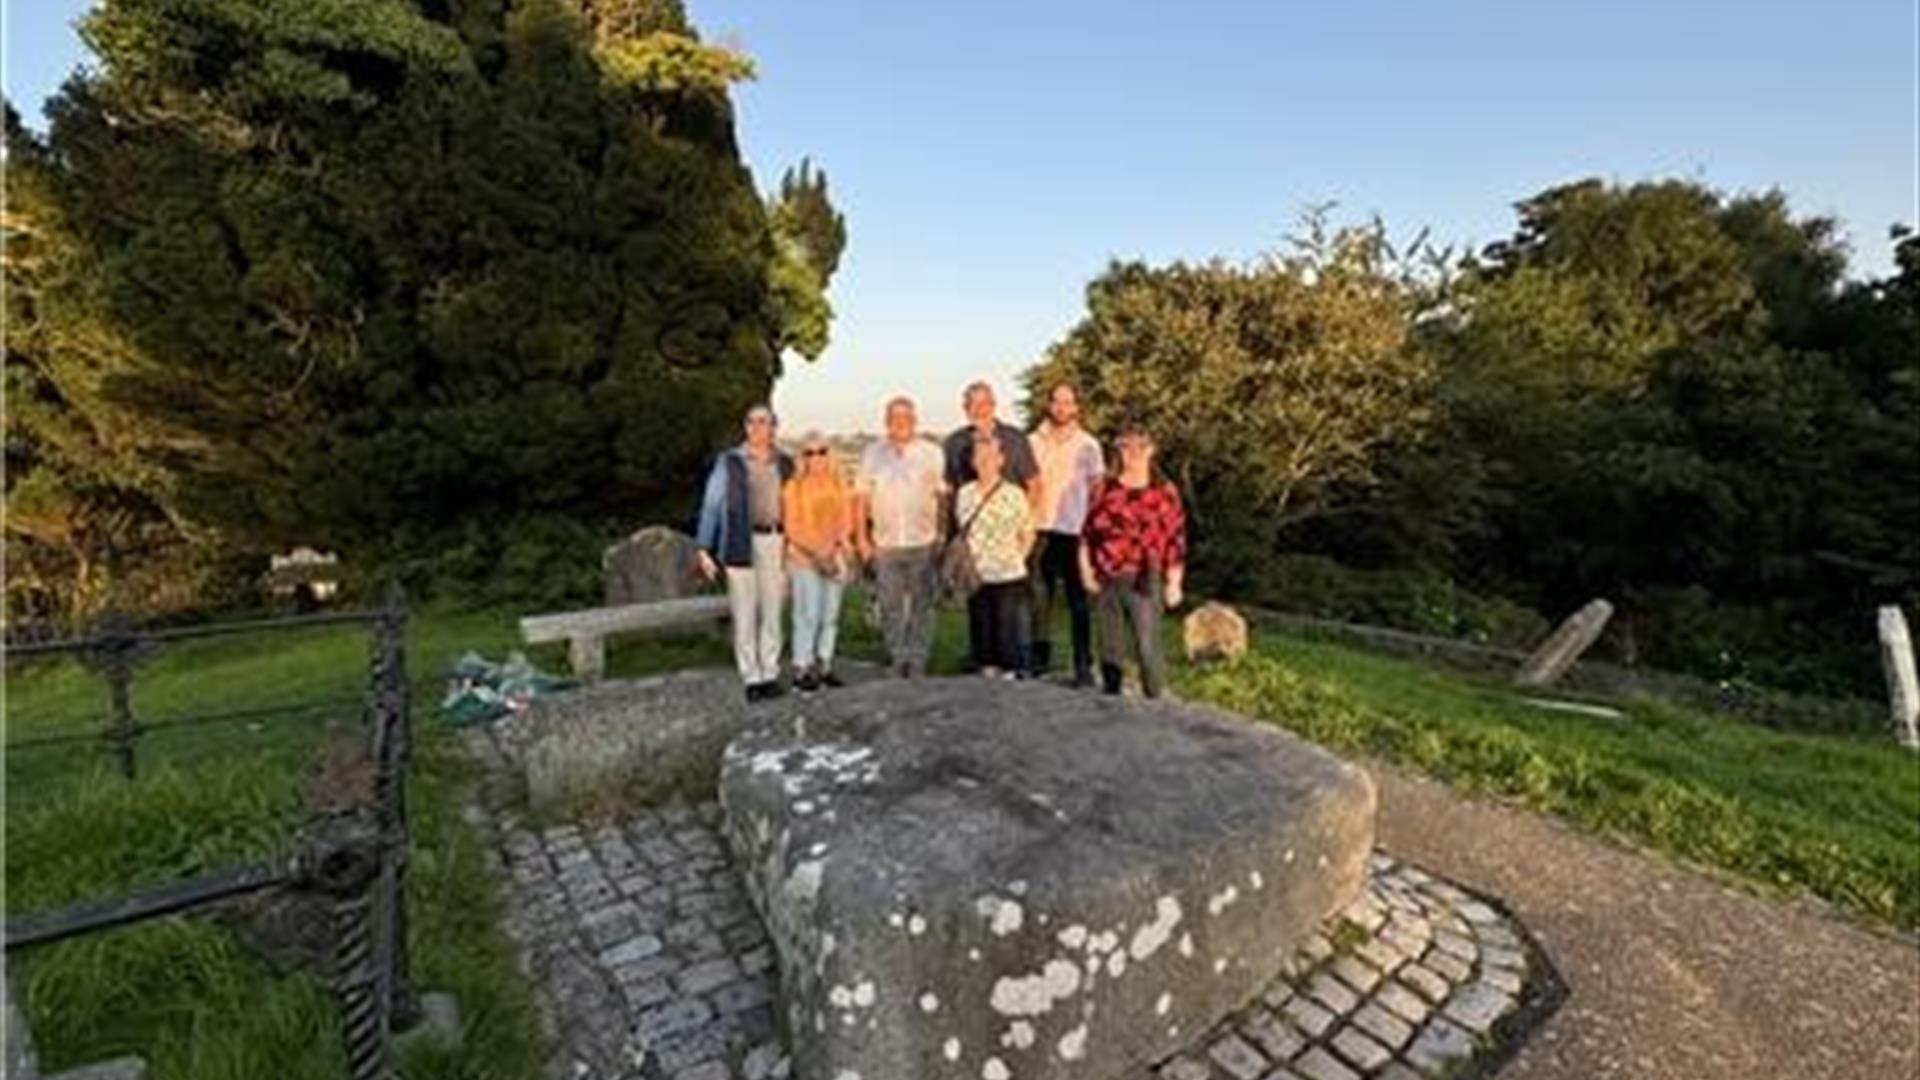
x=1071, y=466
x=902, y=486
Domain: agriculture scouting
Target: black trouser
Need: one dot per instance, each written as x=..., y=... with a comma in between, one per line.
x=997, y=624
x=1056, y=562
x=1130, y=610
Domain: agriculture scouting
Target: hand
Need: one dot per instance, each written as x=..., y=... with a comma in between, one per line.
x=708, y=568
x=1091, y=581
x=1175, y=594
x=865, y=548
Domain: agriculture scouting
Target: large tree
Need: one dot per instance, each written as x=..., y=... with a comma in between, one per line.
x=376, y=270
x=1265, y=384
x=1669, y=396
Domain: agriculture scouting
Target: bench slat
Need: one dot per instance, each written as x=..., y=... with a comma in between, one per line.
x=598, y=622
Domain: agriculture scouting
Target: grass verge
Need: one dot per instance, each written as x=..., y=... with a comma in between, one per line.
x=1836, y=816
x=183, y=991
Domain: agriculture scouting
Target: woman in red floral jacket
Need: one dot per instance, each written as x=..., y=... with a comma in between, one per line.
x=1133, y=557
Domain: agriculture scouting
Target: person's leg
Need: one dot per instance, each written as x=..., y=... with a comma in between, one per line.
x=980, y=628
x=1041, y=577
x=769, y=558
x=1145, y=608
x=827, y=628
x=1113, y=633
x=923, y=593
x=891, y=583
x=1077, y=610
x=807, y=588
x=1016, y=623
x=742, y=602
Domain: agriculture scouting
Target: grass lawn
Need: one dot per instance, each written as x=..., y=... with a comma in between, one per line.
x=183, y=992
x=1836, y=816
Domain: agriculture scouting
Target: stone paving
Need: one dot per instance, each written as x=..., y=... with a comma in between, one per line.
x=650, y=963
x=1415, y=979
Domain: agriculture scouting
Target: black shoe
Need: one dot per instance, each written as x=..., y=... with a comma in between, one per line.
x=1082, y=679
x=1039, y=660
x=1110, y=678
x=831, y=681
x=756, y=693
x=806, y=681
x=773, y=688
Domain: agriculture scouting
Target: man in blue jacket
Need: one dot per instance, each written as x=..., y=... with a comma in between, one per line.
x=740, y=532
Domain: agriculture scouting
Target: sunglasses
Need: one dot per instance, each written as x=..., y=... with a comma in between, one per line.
x=818, y=451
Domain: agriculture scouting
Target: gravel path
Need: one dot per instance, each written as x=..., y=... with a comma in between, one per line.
x=1673, y=976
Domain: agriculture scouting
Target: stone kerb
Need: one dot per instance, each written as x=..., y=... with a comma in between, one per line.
x=630, y=740
x=996, y=881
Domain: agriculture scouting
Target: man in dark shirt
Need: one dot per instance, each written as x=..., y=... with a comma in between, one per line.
x=1016, y=453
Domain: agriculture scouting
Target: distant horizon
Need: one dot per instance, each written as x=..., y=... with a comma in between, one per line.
x=985, y=186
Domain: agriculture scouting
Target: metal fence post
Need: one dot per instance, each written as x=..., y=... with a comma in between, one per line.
x=393, y=745
x=112, y=651
x=341, y=859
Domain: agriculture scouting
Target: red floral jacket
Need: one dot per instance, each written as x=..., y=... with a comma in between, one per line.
x=1132, y=531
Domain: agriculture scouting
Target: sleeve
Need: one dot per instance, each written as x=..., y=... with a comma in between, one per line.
x=943, y=483
x=950, y=453
x=1176, y=528
x=1099, y=519
x=863, y=473
x=1093, y=463
x=713, y=507
x=1021, y=466
x=790, y=507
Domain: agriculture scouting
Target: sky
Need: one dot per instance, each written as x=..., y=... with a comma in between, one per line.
x=992, y=157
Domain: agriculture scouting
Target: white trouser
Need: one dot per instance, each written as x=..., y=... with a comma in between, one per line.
x=757, y=595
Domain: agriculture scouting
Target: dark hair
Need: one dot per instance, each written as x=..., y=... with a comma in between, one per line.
x=1131, y=425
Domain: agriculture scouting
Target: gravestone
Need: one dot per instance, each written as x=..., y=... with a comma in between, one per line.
x=655, y=563
x=1001, y=880
x=1903, y=690
x=1214, y=631
x=1565, y=645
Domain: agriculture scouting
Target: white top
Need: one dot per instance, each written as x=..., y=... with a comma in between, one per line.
x=1071, y=466
x=999, y=533
x=903, y=486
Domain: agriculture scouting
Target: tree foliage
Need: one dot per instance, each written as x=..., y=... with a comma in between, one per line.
x=358, y=273
x=1263, y=384
x=1670, y=397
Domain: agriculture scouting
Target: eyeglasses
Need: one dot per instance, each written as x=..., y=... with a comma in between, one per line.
x=818, y=451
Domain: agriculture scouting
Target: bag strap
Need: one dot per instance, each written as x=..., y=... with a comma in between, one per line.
x=984, y=500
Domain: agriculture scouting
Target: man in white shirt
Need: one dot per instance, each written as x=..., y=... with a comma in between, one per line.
x=898, y=505
x=1071, y=468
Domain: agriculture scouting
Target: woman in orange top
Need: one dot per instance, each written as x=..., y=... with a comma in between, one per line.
x=817, y=511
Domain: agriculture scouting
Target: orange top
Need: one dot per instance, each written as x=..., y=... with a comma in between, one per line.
x=817, y=513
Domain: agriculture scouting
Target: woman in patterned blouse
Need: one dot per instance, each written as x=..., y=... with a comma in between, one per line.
x=1133, y=557
x=999, y=524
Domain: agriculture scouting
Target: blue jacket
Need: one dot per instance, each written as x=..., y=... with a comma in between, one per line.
x=725, y=532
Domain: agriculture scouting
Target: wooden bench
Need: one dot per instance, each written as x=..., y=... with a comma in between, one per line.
x=586, y=631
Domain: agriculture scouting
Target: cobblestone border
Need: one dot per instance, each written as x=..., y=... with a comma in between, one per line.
x=1417, y=978
x=650, y=963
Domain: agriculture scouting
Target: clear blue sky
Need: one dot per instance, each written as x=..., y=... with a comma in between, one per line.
x=991, y=157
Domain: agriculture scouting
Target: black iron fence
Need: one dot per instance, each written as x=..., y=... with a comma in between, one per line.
x=352, y=855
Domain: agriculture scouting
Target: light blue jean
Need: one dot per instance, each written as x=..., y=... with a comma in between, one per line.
x=816, y=618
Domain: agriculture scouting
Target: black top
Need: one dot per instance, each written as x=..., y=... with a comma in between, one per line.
x=1016, y=455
